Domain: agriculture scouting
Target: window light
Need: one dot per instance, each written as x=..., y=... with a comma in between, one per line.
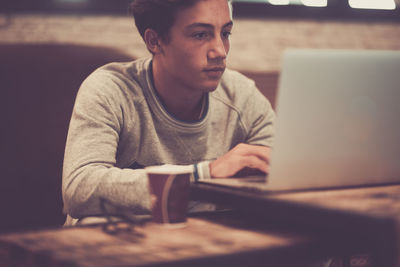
x=373, y=4
x=279, y=2
x=316, y=3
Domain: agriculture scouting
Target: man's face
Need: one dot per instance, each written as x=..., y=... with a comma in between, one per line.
x=195, y=54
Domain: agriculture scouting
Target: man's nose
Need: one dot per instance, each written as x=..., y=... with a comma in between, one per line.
x=217, y=49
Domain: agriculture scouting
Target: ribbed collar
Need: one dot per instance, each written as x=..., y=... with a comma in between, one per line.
x=160, y=111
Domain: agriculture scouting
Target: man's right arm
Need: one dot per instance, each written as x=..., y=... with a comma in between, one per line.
x=90, y=173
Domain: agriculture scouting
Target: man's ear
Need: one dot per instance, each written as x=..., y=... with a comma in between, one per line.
x=152, y=41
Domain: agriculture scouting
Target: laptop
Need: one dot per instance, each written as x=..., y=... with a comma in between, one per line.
x=338, y=122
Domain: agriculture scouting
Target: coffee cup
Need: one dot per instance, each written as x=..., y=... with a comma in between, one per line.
x=169, y=193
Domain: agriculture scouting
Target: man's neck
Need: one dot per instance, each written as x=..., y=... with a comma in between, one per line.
x=181, y=102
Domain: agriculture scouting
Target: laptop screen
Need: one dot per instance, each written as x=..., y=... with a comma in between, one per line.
x=338, y=119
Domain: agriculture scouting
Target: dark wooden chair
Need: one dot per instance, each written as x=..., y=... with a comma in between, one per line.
x=38, y=87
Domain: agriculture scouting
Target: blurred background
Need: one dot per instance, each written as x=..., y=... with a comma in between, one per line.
x=263, y=28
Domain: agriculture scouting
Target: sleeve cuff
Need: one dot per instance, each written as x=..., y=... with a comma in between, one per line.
x=201, y=171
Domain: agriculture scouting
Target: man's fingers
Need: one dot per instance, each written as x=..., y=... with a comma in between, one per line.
x=254, y=162
x=262, y=152
x=240, y=157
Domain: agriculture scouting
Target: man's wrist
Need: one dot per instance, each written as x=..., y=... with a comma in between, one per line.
x=201, y=171
x=195, y=172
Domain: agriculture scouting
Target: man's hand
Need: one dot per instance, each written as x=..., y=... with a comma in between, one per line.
x=242, y=156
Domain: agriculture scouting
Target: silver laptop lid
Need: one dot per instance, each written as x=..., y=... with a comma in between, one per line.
x=338, y=120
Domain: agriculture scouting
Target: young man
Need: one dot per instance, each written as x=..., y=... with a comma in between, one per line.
x=181, y=106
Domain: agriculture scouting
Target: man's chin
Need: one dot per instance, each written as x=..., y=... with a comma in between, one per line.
x=211, y=86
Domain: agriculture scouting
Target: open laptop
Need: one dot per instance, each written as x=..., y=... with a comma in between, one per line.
x=338, y=122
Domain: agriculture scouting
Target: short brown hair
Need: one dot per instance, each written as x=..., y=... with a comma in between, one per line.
x=158, y=15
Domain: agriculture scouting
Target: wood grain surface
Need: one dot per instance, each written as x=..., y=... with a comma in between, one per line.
x=199, y=242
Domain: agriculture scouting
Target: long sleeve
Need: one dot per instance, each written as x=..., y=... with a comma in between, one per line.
x=253, y=112
x=90, y=170
x=260, y=120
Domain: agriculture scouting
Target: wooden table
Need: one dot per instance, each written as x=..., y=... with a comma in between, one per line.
x=219, y=239
x=351, y=220
x=283, y=229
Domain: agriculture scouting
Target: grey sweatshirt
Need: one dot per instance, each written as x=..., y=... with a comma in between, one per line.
x=119, y=125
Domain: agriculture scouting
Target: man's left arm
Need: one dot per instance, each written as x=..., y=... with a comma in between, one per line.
x=253, y=155
x=259, y=118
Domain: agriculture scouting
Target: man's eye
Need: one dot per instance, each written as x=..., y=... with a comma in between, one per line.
x=200, y=35
x=226, y=34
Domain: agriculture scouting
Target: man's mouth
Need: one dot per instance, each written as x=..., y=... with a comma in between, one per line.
x=215, y=69
x=214, y=72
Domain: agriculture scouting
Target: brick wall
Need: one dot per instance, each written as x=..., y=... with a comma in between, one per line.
x=257, y=45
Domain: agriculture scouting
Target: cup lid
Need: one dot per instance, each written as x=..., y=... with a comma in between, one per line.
x=170, y=169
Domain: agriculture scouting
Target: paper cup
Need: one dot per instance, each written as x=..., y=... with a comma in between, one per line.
x=169, y=192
